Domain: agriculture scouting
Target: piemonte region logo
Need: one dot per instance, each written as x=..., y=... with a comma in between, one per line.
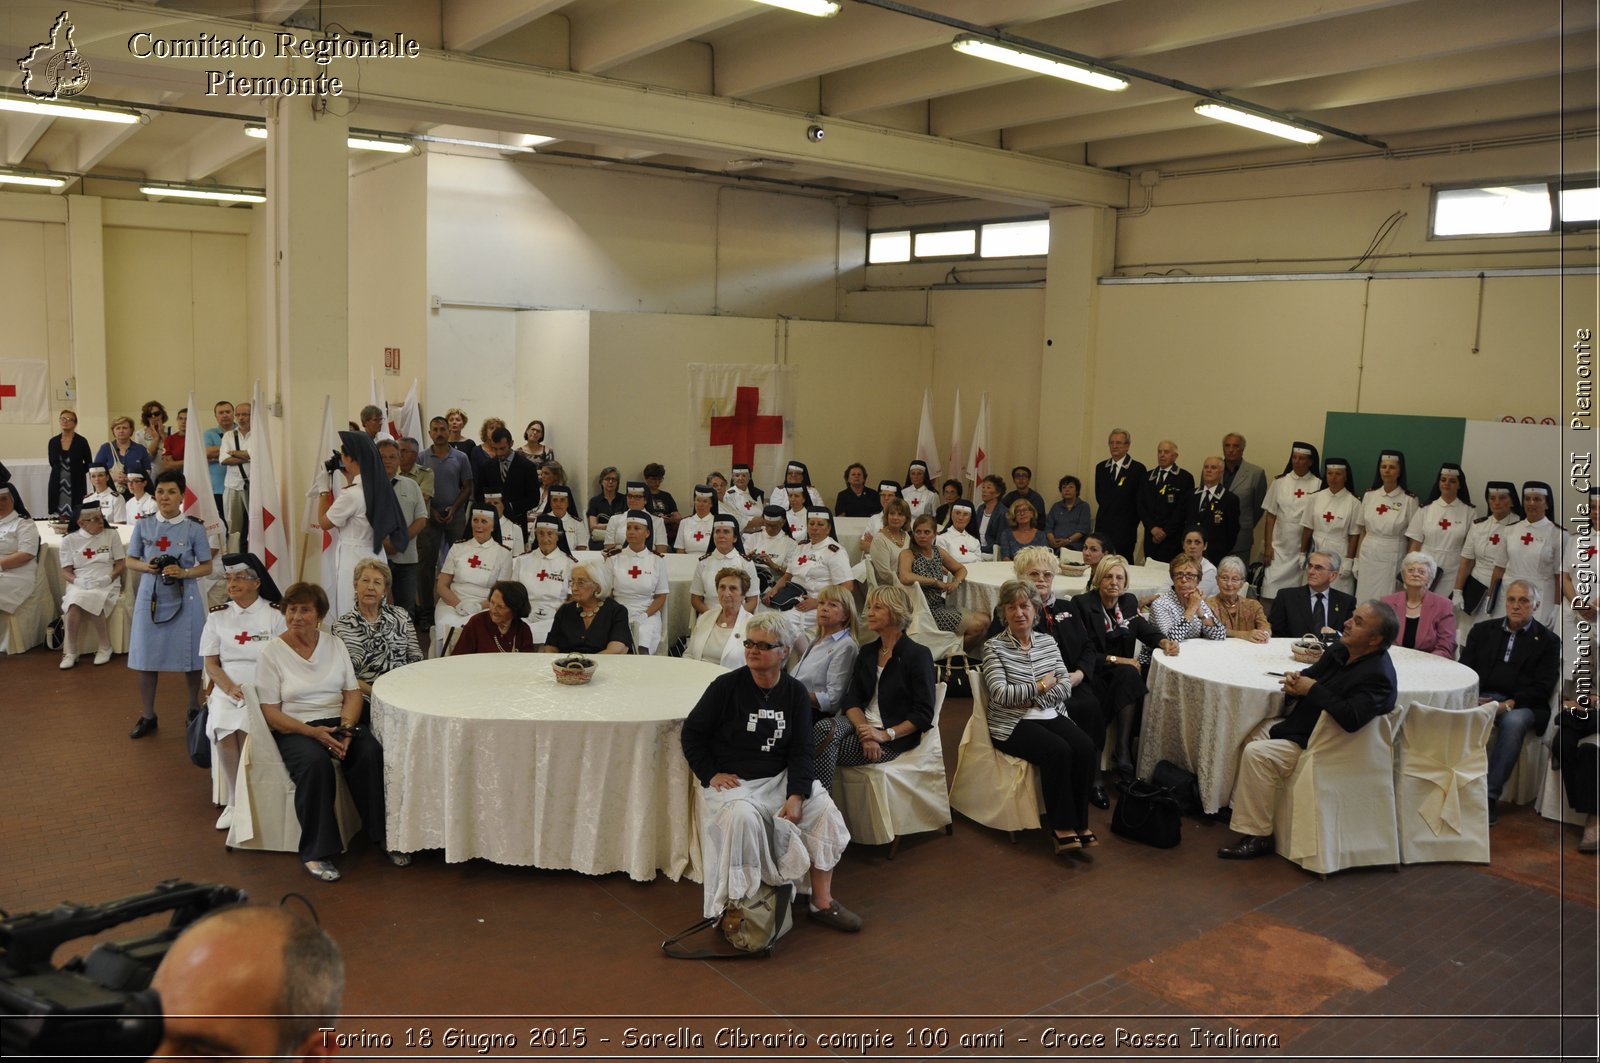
x=55, y=69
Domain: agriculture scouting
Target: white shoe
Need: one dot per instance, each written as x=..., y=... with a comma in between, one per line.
x=102, y=655
x=225, y=820
x=68, y=661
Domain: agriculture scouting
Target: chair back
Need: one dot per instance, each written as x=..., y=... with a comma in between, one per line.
x=1441, y=788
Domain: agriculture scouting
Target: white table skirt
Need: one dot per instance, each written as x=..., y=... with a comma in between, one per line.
x=981, y=590
x=487, y=756
x=32, y=477
x=1205, y=701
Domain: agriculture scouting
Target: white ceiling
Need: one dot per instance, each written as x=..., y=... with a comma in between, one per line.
x=904, y=113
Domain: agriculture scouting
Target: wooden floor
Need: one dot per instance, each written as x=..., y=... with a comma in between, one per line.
x=967, y=934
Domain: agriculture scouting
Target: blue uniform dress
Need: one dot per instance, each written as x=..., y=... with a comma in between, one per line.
x=173, y=643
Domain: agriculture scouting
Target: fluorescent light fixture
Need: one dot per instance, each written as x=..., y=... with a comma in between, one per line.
x=54, y=109
x=1038, y=64
x=1259, y=122
x=376, y=143
x=492, y=145
x=819, y=8
x=36, y=180
x=360, y=141
x=1577, y=204
x=218, y=195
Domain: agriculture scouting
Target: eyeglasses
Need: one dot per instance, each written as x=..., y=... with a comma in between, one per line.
x=1184, y=576
x=752, y=644
x=1321, y=568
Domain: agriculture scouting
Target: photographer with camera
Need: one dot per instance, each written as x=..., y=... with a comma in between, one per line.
x=171, y=553
x=365, y=514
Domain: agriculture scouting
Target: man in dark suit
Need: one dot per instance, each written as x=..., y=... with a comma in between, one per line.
x=509, y=473
x=1297, y=610
x=1353, y=682
x=1518, y=661
x=1163, y=499
x=1216, y=510
x=1116, y=494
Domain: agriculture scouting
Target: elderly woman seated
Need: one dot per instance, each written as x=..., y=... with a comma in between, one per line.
x=1026, y=685
x=1182, y=613
x=827, y=661
x=591, y=622
x=1242, y=617
x=379, y=636
x=889, y=702
x=231, y=646
x=501, y=628
x=1427, y=620
x=763, y=818
x=311, y=700
x=92, y=560
x=718, y=634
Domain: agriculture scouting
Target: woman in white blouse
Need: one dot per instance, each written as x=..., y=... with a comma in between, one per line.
x=718, y=635
x=545, y=571
x=1386, y=511
x=311, y=700
x=827, y=660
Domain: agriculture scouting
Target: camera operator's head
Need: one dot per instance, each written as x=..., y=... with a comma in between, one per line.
x=250, y=961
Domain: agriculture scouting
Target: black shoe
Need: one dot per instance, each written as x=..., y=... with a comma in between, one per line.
x=1098, y=797
x=1494, y=812
x=145, y=726
x=1248, y=847
x=1126, y=771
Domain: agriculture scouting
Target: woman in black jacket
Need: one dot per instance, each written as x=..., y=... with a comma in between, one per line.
x=1110, y=616
x=889, y=702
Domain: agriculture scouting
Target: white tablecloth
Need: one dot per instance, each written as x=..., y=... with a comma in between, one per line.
x=487, y=756
x=32, y=477
x=981, y=590
x=1204, y=702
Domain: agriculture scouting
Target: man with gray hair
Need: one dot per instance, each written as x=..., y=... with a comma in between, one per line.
x=1249, y=482
x=1518, y=661
x=1116, y=494
x=250, y=983
x=1353, y=681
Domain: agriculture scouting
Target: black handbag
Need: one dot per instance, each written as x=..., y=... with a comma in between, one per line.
x=197, y=730
x=1148, y=813
x=1182, y=783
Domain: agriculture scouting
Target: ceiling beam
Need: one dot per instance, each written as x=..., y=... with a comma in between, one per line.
x=471, y=24
x=461, y=90
x=273, y=12
x=606, y=35
x=22, y=132
x=215, y=148
x=1107, y=31
x=1372, y=39
x=783, y=48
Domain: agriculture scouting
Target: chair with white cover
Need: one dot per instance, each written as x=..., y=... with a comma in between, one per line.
x=1552, y=799
x=991, y=787
x=1441, y=784
x=884, y=802
x=263, y=796
x=1337, y=809
x=923, y=630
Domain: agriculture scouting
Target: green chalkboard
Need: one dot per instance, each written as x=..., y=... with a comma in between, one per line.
x=1425, y=441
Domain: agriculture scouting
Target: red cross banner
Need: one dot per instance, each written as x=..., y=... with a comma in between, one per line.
x=24, y=392
x=742, y=413
x=269, y=534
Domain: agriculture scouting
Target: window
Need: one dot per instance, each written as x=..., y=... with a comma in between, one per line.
x=998, y=239
x=1516, y=208
x=1010, y=238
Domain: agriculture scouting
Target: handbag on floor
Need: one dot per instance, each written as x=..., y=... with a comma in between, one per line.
x=1182, y=783
x=1148, y=813
x=752, y=926
x=197, y=730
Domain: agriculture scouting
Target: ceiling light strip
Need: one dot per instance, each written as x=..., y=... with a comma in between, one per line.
x=1023, y=59
x=57, y=109
x=1261, y=123
x=818, y=8
x=216, y=195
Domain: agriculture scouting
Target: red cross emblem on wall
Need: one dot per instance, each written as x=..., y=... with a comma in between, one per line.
x=745, y=428
x=474, y=561
x=1527, y=538
x=635, y=572
x=1444, y=523
x=163, y=542
x=242, y=638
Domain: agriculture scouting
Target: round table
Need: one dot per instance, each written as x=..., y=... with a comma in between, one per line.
x=486, y=755
x=981, y=589
x=1204, y=702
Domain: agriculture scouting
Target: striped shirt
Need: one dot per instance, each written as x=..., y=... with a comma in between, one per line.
x=376, y=648
x=1011, y=677
x=1167, y=614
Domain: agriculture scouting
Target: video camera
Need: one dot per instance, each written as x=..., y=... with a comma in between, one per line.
x=100, y=1005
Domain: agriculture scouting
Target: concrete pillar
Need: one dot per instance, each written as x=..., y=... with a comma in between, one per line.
x=307, y=247
x=1082, y=250
x=86, y=283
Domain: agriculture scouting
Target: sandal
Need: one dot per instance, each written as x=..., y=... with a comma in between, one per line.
x=323, y=870
x=1087, y=839
x=1067, y=844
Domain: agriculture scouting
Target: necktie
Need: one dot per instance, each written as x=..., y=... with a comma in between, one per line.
x=505, y=468
x=1319, y=614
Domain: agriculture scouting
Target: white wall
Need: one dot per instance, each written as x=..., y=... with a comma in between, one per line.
x=35, y=308
x=388, y=277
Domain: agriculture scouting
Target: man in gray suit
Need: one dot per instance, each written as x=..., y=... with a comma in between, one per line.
x=1250, y=484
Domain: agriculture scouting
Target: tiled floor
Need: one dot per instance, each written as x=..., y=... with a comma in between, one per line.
x=966, y=933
